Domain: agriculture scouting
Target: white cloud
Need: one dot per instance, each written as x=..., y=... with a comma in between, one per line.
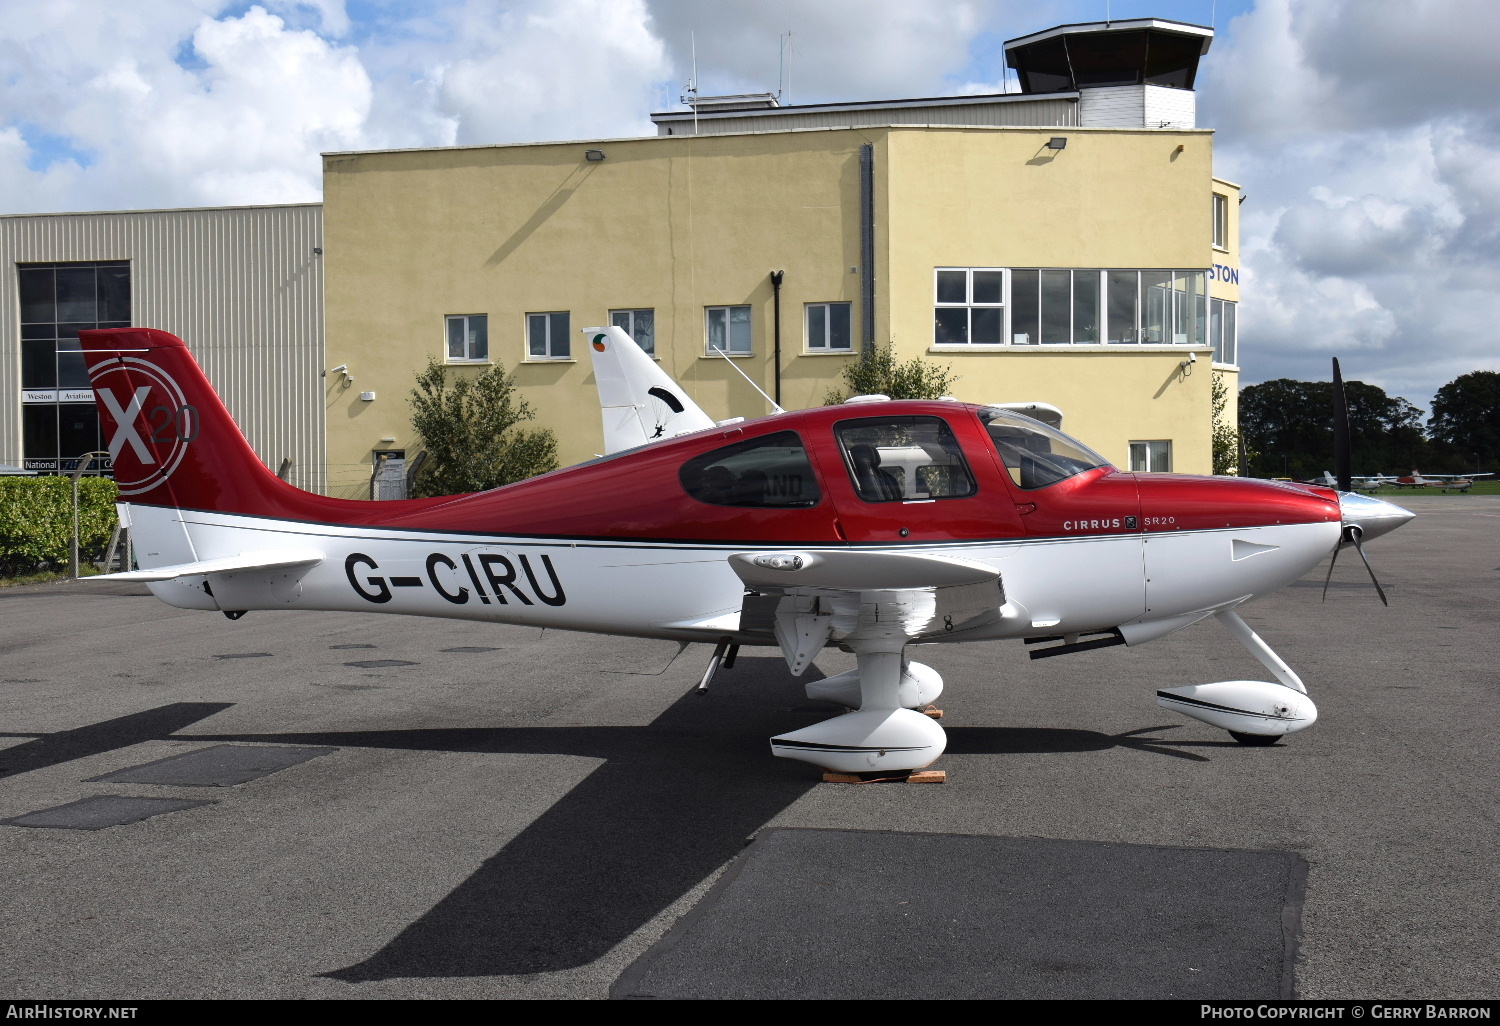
x=243, y=122
x=555, y=69
x=842, y=49
x=1368, y=144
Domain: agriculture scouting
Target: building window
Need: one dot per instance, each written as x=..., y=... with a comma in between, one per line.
x=59, y=422
x=1054, y=307
x=969, y=306
x=547, y=336
x=1151, y=457
x=828, y=328
x=639, y=325
x=1222, y=331
x=1063, y=306
x=1221, y=221
x=1157, y=307
x=468, y=338
x=728, y=329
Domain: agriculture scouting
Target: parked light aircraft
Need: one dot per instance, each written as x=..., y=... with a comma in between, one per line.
x=1417, y=479
x=873, y=526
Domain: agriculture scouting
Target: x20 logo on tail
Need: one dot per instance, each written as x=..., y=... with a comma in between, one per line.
x=149, y=422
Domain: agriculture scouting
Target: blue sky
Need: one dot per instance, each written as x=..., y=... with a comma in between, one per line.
x=1364, y=131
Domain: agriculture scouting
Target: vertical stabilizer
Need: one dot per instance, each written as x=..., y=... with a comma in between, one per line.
x=640, y=403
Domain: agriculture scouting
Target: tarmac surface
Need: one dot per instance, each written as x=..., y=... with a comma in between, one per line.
x=512, y=813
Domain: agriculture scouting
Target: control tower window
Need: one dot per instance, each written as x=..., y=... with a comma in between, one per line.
x=1108, y=58
x=1172, y=60
x=1044, y=68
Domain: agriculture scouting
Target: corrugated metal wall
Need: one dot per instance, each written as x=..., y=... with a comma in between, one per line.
x=242, y=286
x=1026, y=114
x=1170, y=108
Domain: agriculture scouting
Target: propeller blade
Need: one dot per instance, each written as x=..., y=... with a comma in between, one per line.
x=1361, y=550
x=1337, y=545
x=1341, y=454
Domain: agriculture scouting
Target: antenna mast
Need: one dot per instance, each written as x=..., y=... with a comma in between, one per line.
x=690, y=91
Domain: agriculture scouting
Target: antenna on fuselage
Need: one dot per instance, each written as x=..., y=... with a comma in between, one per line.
x=775, y=406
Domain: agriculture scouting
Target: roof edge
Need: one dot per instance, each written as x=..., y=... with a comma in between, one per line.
x=162, y=210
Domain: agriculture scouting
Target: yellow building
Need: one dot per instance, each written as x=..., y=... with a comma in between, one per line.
x=1066, y=245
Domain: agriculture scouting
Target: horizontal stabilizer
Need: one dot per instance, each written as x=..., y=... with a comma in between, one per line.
x=264, y=559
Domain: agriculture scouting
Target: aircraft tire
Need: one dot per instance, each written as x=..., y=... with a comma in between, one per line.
x=1255, y=740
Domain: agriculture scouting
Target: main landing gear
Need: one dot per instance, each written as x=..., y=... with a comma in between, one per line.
x=884, y=733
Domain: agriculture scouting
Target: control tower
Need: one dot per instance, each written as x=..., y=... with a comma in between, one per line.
x=1127, y=74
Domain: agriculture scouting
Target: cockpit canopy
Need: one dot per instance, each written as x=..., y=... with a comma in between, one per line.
x=1036, y=455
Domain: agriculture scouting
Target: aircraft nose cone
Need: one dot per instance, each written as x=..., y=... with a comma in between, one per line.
x=1374, y=517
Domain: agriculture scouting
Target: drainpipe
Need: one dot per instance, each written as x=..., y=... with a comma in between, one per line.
x=867, y=249
x=776, y=277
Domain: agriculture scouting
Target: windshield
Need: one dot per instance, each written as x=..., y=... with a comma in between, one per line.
x=1036, y=455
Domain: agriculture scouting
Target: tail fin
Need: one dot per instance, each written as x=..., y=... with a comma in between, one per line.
x=175, y=445
x=172, y=441
x=641, y=404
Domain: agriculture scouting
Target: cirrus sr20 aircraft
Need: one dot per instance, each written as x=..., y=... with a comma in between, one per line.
x=873, y=526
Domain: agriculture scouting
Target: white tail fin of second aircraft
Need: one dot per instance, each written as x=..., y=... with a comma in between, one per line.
x=641, y=404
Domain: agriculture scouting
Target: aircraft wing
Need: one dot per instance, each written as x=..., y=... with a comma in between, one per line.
x=641, y=404
x=265, y=559
x=841, y=594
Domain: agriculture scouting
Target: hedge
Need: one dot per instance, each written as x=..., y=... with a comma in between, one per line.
x=36, y=520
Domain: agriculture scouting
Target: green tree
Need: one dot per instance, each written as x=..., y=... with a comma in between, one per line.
x=1291, y=424
x=878, y=373
x=1466, y=420
x=470, y=431
x=1226, y=436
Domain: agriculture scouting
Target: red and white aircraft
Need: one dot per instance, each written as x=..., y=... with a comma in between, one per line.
x=872, y=526
x=1417, y=479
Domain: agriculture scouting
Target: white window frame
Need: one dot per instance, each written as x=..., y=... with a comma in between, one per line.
x=1146, y=445
x=1221, y=221
x=825, y=345
x=728, y=311
x=629, y=328
x=469, y=355
x=552, y=344
x=968, y=304
x=1176, y=302
x=1226, y=347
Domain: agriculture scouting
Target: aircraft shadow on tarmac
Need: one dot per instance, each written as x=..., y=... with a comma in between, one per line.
x=672, y=802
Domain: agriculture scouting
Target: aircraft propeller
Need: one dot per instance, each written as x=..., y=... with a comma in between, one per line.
x=1342, y=460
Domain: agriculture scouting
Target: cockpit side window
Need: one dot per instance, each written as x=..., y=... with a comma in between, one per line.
x=895, y=459
x=1034, y=454
x=768, y=472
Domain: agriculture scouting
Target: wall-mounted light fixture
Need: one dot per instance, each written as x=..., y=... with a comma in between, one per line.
x=1057, y=142
x=593, y=156
x=368, y=397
